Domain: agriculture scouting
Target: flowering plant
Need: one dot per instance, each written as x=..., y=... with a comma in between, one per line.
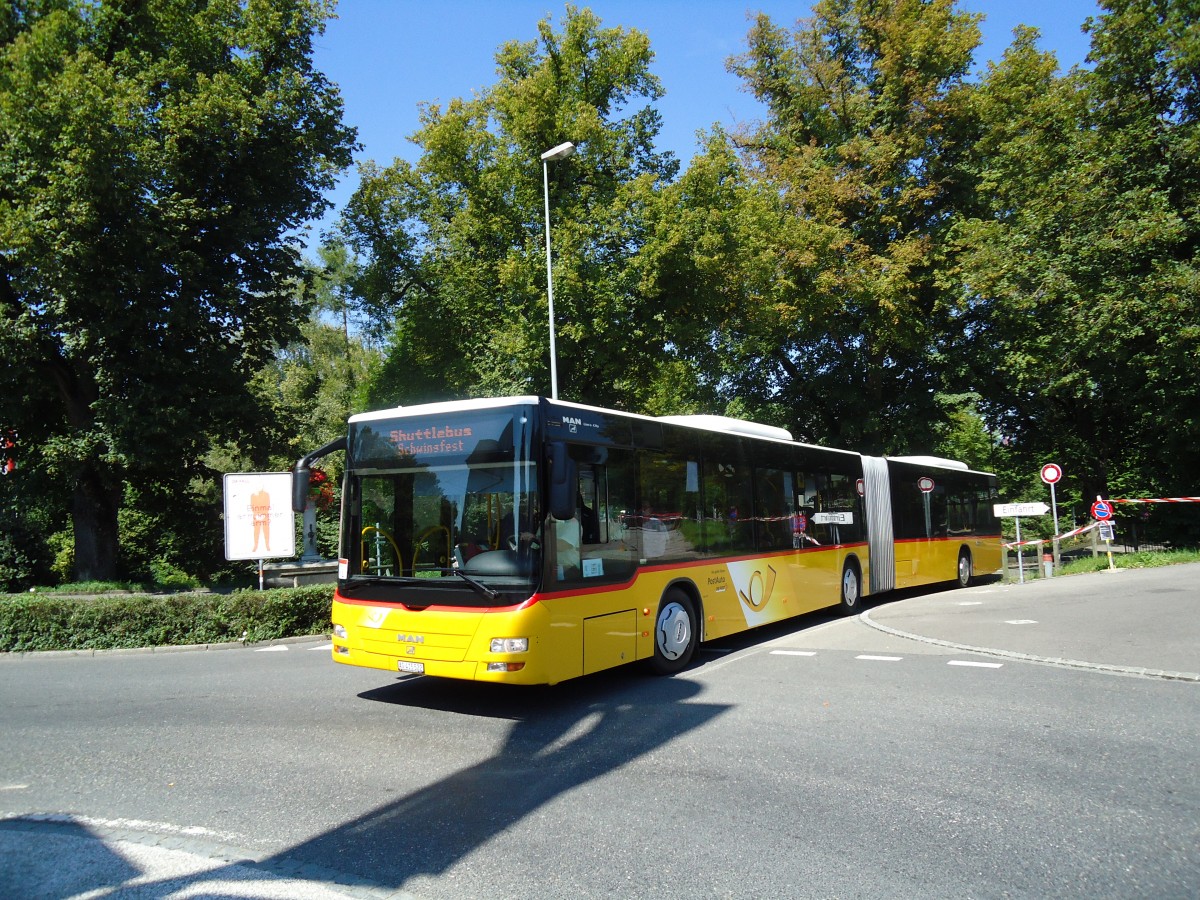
x=320, y=489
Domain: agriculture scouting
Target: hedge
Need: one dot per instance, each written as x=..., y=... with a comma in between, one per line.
x=46, y=622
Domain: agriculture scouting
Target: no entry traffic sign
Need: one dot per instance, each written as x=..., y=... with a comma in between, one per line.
x=1051, y=473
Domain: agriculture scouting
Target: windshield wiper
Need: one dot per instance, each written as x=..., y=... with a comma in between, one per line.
x=362, y=581
x=481, y=588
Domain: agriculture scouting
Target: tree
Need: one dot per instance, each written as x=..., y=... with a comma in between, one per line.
x=1084, y=291
x=154, y=160
x=838, y=326
x=453, y=245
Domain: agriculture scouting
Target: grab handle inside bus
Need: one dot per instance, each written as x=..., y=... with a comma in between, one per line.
x=563, y=482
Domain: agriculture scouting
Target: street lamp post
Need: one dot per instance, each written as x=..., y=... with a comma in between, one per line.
x=562, y=151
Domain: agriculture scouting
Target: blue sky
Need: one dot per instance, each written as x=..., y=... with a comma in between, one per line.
x=389, y=56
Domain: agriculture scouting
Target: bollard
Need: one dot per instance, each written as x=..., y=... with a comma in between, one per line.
x=1048, y=564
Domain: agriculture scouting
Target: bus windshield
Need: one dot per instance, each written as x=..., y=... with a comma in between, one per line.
x=444, y=509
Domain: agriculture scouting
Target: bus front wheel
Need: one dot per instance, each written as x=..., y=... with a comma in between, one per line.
x=675, y=633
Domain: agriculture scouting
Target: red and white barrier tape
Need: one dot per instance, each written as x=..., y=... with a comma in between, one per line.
x=1061, y=537
x=1159, y=500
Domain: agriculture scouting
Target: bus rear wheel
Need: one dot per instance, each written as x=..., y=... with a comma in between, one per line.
x=851, y=588
x=675, y=633
x=964, y=568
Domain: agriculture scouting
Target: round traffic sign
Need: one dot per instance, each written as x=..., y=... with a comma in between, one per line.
x=925, y=483
x=1102, y=510
x=1051, y=473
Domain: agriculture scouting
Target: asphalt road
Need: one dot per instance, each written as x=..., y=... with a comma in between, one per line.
x=1024, y=741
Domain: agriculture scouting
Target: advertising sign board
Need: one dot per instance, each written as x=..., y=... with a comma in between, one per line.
x=259, y=522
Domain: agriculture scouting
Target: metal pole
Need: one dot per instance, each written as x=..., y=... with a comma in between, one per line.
x=1057, y=547
x=1020, y=553
x=562, y=151
x=550, y=282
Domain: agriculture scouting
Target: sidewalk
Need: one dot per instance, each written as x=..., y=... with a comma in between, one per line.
x=1135, y=622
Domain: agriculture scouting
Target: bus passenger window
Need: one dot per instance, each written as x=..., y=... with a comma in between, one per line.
x=666, y=522
x=594, y=546
x=774, y=519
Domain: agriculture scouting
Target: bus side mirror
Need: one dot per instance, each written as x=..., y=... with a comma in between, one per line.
x=300, y=477
x=564, y=488
x=302, y=472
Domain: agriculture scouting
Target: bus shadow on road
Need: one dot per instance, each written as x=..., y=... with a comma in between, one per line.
x=560, y=740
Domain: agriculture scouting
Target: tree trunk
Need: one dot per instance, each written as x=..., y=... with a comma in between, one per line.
x=94, y=512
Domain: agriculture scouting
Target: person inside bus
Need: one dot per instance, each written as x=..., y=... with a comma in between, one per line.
x=520, y=532
x=589, y=522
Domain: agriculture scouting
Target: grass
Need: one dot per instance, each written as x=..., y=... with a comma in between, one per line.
x=1146, y=559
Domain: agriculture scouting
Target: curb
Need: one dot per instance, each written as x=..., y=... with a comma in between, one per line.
x=166, y=648
x=1141, y=671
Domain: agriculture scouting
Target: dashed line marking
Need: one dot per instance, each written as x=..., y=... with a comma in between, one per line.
x=328, y=646
x=1021, y=622
x=970, y=603
x=880, y=658
x=277, y=648
x=793, y=653
x=14, y=787
x=974, y=664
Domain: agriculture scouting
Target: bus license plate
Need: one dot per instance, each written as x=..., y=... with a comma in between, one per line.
x=415, y=668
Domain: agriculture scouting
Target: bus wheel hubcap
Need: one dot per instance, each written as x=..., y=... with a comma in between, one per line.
x=850, y=587
x=674, y=631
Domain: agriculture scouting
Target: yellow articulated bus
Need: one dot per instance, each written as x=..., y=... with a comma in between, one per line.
x=529, y=541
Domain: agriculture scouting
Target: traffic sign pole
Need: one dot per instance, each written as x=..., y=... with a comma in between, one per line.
x=1103, y=511
x=1051, y=473
x=1020, y=553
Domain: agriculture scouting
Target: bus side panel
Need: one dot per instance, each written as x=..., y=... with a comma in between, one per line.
x=920, y=562
x=744, y=594
x=987, y=555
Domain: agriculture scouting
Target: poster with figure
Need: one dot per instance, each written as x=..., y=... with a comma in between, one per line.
x=259, y=523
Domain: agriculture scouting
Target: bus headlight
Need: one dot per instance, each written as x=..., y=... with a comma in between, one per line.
x=510, y=645
x=339, y=631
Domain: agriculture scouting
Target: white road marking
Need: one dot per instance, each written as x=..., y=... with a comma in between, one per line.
x=971, y=603
x=1021, y=622
x=328, y=646
x=793, y=653
x=973, y=663
x=880, y=658
x=277, y=648
x=227, y=837
x=14, y=787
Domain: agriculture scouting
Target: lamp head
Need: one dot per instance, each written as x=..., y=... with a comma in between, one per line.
x=562, y=151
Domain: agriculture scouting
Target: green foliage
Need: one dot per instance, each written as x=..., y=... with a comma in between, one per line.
x=148, y=186
x=41, y=622
x=453, y=246
x=1082, y=286
x=813, y=266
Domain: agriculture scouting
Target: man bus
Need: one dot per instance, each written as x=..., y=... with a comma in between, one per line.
x=529, y=541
